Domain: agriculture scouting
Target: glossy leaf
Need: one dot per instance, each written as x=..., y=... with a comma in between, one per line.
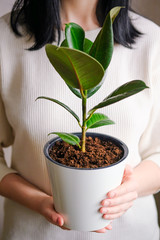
x=86, y=48
x=114, y=12
x=92, y=91
x=75, y=36
x=64, y=43
x=98, y=120
x=102, y=48
x=126, y=90
x=68, y=138
x=75, y=91
x=77, y=69
x=63, y=105
x=87, y=45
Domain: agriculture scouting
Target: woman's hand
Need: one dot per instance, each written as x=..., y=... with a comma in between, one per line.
x=120, y=199
x=46, y=209
x=18, y=189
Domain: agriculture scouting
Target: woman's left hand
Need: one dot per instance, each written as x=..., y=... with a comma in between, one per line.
x=120, y=199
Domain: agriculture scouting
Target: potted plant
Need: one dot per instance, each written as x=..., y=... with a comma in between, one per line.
x=80, y=174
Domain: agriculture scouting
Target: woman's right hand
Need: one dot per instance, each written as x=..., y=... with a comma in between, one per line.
x=14, y=187
x=46, y=209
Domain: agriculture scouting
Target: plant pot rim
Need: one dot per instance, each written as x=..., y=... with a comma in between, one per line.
x=118, y=142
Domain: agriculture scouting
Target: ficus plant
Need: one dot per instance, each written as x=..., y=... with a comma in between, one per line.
x=82, y=64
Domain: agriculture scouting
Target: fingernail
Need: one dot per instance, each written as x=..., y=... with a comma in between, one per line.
x=109, y=227
x=106, y=203
x=112, y=194
x=59, y=221
x=103, y=230
x=105, y=216
x=103, y=210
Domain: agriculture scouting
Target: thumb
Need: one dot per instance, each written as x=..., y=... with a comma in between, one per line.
x=57, y=219
x=53, y=217
x=128, y=171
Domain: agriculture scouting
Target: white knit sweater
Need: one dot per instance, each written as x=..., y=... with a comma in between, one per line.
x=24, y=124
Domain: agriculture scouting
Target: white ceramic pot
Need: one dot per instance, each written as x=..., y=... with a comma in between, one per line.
x=77, y=193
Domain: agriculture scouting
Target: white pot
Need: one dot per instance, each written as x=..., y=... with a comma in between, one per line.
x=77, y=193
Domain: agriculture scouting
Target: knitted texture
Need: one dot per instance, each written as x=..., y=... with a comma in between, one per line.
x=24, y=123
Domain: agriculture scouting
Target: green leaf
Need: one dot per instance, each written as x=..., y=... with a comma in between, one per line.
x=86, y=48
x=98, y=120
x=75, y=36
x=114, y=12
x=68, y=138
x=126, y=90
x=92, y=91
x=63, y=105
x=64, y=43
x=87, y=45
x=102, y=48
x=78, y=69
x=75, y=91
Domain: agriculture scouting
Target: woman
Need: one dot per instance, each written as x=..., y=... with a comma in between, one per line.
x=25, y=75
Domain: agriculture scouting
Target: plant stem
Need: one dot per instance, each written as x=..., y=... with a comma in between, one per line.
x=84, y=110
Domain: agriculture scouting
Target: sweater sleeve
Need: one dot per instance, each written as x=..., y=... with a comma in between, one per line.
x=6, y=139
x=150, y=140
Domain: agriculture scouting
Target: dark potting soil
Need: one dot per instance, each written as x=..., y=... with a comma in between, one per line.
x=98, y=153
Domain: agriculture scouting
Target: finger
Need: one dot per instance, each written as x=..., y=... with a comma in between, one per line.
x=53, y=217
x=128, y=170
x=124, y=188
x=109, y=227
x=56, y=220
x=112, y=216
x=116, y=209
x=127, y=179
x=64, y=228
x=103, y=230
x=59, y=221
x=120, y=200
